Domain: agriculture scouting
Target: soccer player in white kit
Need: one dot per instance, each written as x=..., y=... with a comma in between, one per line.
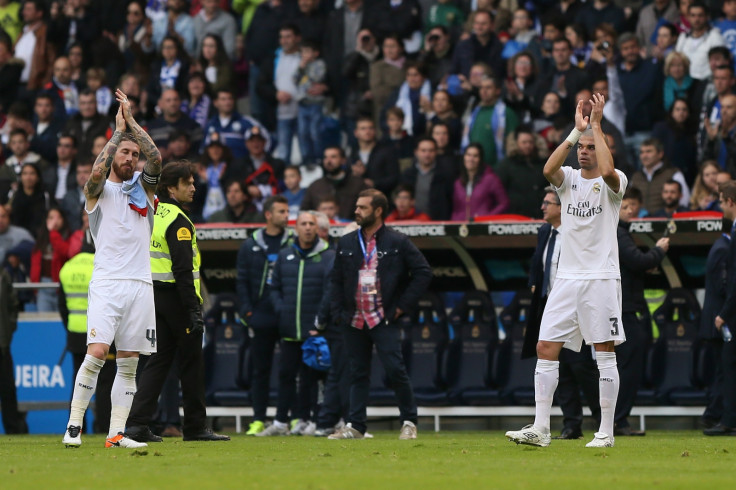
x=120, y=308
x=585, y=304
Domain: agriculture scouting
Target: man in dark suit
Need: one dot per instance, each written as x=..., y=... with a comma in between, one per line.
x=630, y=355
x=373, y=161
x=727, y=317
x=578, y=371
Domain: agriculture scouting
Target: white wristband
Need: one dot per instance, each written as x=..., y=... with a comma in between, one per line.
x=574, y=136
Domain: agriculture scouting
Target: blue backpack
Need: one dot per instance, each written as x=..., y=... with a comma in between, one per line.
x=316, y=353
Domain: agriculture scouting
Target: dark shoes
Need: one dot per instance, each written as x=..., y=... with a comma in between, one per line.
x=205, y=435
x=628, y=431
x=141, y=433
x=568, y=433
x=720, y=430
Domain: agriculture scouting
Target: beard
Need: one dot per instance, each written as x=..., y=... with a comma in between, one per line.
x=365, y=221
x=124, y=172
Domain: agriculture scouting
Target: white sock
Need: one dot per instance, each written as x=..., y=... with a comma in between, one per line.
x=608, y=385
x=280, y=425
x=546, y=375
x=84, y=387
x=123, y=391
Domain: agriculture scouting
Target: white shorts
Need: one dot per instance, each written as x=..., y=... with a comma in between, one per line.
x=578, y=310
x=122, y=310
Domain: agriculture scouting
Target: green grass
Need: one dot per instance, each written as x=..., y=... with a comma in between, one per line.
x=455, y=460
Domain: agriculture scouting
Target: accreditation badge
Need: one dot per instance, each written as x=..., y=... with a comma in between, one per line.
x=368, y=281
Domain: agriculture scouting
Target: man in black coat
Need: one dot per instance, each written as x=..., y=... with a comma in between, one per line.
x=379, y=275
x=565, y=79
x=578, y=371
x=376, y=163
x=482, y=45
x=635, y=318
x=432, y=183
x=727, y=317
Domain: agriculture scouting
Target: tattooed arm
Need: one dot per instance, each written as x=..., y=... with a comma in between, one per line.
x=96, y=182
x=152, y=169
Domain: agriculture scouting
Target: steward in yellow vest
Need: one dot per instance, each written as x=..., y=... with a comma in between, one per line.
x=175, y=261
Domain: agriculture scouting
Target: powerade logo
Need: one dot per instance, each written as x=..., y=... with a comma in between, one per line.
x=421, y=230
x=514, y=229
x=641, y=227
x=223, y=234
x=38, y=376
x=715, y=225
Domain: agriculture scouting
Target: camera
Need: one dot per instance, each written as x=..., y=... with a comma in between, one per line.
x=434, y=38
x=365, y=38
x=546, y=45
x=604, y=46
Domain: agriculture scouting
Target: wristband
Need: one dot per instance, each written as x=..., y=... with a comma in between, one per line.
x=574, y=136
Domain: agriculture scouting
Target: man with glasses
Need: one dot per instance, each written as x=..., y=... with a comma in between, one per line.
x=62, y=177
x=577, y=369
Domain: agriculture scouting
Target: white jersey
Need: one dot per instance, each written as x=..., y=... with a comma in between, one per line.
x=589, y=213
x=122, y=236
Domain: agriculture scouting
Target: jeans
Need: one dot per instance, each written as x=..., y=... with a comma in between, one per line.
x=256, y=103
x=47, y=299
x=286, y=129
x=309, y=124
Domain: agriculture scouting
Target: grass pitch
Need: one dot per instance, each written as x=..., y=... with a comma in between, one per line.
x=456, y=460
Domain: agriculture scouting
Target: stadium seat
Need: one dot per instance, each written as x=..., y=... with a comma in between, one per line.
x=426, y=335
x=675, y=361
x=473, y=335
x=514, y=375
x=224, y=354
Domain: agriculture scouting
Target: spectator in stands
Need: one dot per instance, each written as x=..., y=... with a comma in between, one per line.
x=60, y=177
x=478, y=192
x=553, y=27
x=654, y=173
x=216, y=168
x=277, y=86
x=414, y=97
x=311, y=73
x=10, y=71
x=130, y=84
x=265, y=173
x=87, y=124
x=46, y=127
x=356, y=93
x=337, y=182
x=73, y=202
x=49, y=255
x=521, y=33
x=482, y=45
x=581, y=47
x=677, y=134
x=256, y=258
x=72, y=22
x=170, y=71
x=721, y=144
x=446, y=155
x=20, y=146
x=387, y=74
x=432, y=183
x=213, y=20
x=13, y=421
x=678, y=82
x=215, y=65
x=653, y=17
x=445, y=14
x=443, y=112
x=705, y=189
x=330, y=208
x=63, y=90
x=197, y=104
x=172, y=118
x=294, y=192
x=436, y=55
x=490, y=123
x=615, y=110
x=396, y=137
x=238, y=207
x=16, y=117
x=727, y=24
x=722, y=83
x=34, y=47
x=401, y=17
x=520, y=87
x=665, y=43
x=520, y=174
x=176, y=23
x=11, y=235
x=599, y=11
x=229, y=127
x=373, y=161
x=96, y=81
x=701, y=38
x=404, y=209
x=671, y=195
x=635, y=314
x=77, y=62
x=565, y=79
x=135, y=40
x=311, y=21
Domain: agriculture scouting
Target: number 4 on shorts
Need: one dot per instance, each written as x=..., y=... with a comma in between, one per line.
x=614, y=326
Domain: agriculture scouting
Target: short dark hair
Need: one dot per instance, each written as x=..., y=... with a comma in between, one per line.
x=698, y=4
x=295, y=168
x=422, y=139
x=490, y=14
x=725, y=67
x=728, y=189
x=224, y=90
x=18, y=131
x=331, y=199
x=657, y=144
x=396, y=112
x=363, y=119
x=403, y=188
x=311, y=44
x=69, y=136
x=291, y=27
x=635, y=194
x=126, y=136
x=523, y=129
x=271, y=200
x=562, y=40
x=418, y=66
x=339, y=149
x=87, y=92
x=44, y=95
x=378, y=200
x=719, y=50
x=173, y=173
x=673, y=182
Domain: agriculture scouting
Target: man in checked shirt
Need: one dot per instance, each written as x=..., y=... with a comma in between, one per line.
x=378, y=276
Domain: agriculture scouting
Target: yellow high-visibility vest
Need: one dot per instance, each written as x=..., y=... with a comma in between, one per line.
x=74, y=278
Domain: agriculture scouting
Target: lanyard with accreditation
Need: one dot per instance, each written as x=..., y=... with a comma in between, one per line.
x=367, y=276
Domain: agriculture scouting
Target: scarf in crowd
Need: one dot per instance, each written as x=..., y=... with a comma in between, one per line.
x=672, y=90
x=403, y=102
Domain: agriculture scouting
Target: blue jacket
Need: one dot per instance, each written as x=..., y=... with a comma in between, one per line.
x=233, y=134
x=403, y=273
x=253, y=282
x=299, y=291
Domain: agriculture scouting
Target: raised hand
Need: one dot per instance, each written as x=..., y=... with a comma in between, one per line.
x=120, y=124
x=596, y=114
x=124, y=104
x=712, y=129
x=581, y=123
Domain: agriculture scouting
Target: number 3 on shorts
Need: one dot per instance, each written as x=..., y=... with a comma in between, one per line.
x=614, y=326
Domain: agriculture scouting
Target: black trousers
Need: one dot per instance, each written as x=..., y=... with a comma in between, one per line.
x=578, y=371
x=630, y=361
x=336, y=400
x=714, y=410
x=298, y=402
x=167, y=412
x=13, y=421
x=262, y=346
x=728, y=360
x=359, y=347
x=172, y=319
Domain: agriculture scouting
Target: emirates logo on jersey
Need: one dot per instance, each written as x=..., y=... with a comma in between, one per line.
x=584, y=210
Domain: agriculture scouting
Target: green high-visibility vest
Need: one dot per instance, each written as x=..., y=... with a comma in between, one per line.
x=160, y=256
x=74, y=278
